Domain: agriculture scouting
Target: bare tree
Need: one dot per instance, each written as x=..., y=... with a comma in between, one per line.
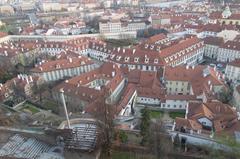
x=105, y=113
x=160, y=143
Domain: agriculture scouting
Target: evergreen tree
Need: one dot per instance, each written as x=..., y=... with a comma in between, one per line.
x=144, y=126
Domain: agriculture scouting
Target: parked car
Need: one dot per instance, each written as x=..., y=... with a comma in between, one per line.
x=220, y=65
x=212, y=65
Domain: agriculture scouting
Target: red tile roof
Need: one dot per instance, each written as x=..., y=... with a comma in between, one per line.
x=235, y=63
x=231, y=45
x=217, y=41
x=200, y=78
x=62, y=64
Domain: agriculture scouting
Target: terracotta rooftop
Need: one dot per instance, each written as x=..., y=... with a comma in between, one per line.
x=62, y=64
x=217, y=41
x=235, y=63
x=200, y=77
x=231, y=45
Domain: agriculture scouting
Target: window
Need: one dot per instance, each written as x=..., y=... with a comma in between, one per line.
x=126, y=59
x=168, y=105
x=136, y=59
x=180, y=106
x=174, y=106
x=146, y=60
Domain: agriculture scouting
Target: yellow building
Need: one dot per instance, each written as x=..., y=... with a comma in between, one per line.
x=229, y=18
x=6, y=9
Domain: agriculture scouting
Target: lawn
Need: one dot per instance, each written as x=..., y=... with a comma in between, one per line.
x=51, y=105
x=6, y=28
x=173, y=115
x=156, y=114
x=30, y=107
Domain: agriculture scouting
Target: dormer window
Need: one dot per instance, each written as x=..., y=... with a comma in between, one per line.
x=112, y=56
x=146, y=46
x=146, y=60
x=175, y=56
x=152, y=47
x=126, y=59
x=118, y=58
x=155, y=60
x=166, y=60
x=136, y=59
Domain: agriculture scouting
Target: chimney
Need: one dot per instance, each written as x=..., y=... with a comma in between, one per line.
x=119, y=49
x=27, y=80
x=134, y=50
x=209, y=82
x=193, y=66
x=18, y=76
x=123, y=50
x=5, y=53
x=70, y=60
x=113, y=73
x=187, y=67
x=31, y=79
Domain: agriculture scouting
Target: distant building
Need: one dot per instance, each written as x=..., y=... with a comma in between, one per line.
x=232, y=71
x=22, y=52
x=229, y=51
x=212, y=44
x=225, y=17
x=236, y=97
x=216, y=48
x=6, y=9
x=118, y=26
x=151, y=57
x=22, y=85
x=83, y=92
x=163, y=19
x=199, y=81
x=61, y=68
x=208, y=118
